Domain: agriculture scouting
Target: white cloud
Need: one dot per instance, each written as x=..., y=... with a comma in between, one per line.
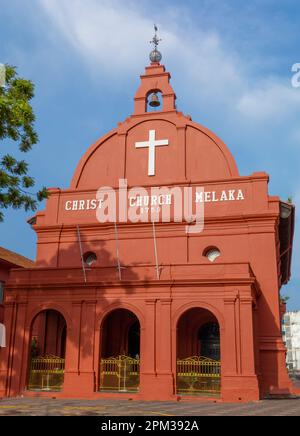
x=268, y=100
x=104, y=33
x=115, y=36
x=208, y=67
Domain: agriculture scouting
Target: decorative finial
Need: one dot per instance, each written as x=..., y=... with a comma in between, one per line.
x=155, y=55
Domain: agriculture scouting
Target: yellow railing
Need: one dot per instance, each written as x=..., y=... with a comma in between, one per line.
x=197, y=375
x=119, y=374
x=46, y=373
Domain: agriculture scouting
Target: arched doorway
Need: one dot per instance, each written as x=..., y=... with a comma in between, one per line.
x=120, y=352
x=209, y=340
x=198, y=353
x=47, y=351
x=134, y=339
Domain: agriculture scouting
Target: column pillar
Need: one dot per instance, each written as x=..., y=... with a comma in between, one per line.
x=87, y=346
x=25, y=359
x=148, y=379
x=247, y=337
x=229, y=336
x=72, y=360
x=239, y=381
x=9, y=316
x=16, y=346
x=164, y=350
x=79, y=370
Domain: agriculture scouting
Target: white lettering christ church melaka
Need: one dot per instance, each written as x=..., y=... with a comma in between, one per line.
x=164, y=204
x=159, y=200
x=178, y=204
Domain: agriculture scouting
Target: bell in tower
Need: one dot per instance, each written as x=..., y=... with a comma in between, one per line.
x=154, y=102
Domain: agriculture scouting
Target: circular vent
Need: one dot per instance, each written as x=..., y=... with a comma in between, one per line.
x=89, y=258
x=212, y=253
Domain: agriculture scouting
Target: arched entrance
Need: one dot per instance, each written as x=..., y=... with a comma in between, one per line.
x=47, y=352
x=120, y=352
x=198, y=353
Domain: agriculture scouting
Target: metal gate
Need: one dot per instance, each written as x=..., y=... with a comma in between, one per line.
x=119, y=374
x=46, y=373
x=198, y=375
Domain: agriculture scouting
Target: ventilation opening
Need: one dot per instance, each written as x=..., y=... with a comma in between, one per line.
x=212, y=253
x=89, y=258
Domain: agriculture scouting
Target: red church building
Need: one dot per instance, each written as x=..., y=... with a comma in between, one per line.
x=8, y=260
x=153, y=309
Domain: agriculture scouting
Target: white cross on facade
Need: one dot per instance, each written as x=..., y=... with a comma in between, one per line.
x=151, y=143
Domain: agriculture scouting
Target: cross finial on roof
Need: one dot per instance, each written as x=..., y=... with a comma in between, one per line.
x=155, y=55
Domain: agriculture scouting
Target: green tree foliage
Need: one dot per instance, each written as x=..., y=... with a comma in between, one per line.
x=284, y=299
x=17, y=124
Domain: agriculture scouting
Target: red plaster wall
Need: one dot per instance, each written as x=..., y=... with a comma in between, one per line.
x=239, y=290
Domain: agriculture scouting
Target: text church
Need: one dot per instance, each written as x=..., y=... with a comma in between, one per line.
x=141, y=304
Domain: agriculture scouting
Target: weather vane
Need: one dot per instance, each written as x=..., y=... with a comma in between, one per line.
x=155, y=55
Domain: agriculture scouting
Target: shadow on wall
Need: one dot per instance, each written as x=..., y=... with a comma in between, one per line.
x=65, y=291
x=1, y=313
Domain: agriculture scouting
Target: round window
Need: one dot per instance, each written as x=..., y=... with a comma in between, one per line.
x=89, y=258
x=212, y=254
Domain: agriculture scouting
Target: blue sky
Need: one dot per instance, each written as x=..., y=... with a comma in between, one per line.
x=230, y=66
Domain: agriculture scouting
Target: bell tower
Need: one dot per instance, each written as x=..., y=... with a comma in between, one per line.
x=155, y=80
